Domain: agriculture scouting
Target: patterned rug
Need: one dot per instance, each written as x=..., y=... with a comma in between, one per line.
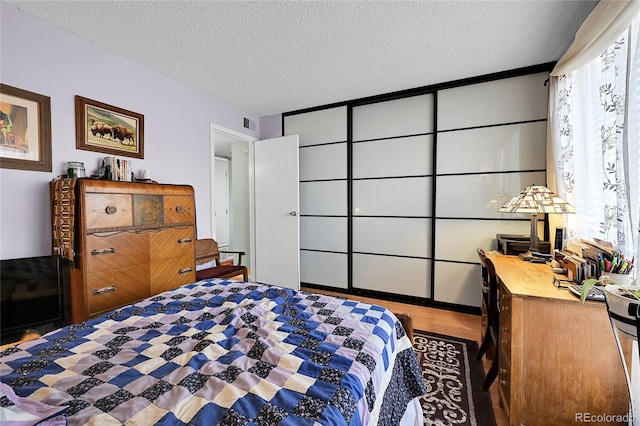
x=453, y=378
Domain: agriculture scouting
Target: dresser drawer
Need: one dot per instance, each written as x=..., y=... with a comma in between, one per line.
x=171, y=273
x=106, y=251
x=107, y=211
x=179, y=209
x=172, y=242
x=117, y=287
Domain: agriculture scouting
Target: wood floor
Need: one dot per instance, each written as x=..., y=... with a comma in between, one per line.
x=464, y=326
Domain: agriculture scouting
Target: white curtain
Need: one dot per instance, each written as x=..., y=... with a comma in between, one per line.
x=594, y=127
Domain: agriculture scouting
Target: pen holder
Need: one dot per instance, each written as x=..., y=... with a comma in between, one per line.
x=620, y=279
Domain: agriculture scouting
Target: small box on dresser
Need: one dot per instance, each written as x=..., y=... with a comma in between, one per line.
x=129, y=241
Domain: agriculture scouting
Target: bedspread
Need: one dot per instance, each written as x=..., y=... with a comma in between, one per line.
x=223, y=352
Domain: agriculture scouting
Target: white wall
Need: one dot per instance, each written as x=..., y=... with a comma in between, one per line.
x=42, y=58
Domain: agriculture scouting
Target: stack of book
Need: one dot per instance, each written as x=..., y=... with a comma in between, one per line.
x=592, y=258
x=117, y=169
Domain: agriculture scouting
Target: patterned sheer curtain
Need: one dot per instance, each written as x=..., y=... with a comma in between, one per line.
x=594, y=134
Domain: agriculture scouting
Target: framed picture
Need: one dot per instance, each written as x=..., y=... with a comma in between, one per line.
x=108, y=129
x=25, y=130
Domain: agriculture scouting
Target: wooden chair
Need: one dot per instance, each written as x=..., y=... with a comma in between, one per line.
x=207, y=251
x=490, y=300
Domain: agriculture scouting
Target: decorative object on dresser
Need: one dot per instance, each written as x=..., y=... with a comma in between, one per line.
x=536, y=199
x=25, y=130
x=127, y=241
x=108, y=129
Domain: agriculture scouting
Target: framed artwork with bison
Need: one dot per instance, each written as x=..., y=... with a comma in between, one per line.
x=25, y=130
x=108, y=129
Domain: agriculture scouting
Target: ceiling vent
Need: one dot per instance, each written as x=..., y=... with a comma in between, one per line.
x=249, y=124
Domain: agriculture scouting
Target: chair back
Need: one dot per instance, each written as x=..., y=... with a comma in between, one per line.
x=207, y=251
x=489, y=286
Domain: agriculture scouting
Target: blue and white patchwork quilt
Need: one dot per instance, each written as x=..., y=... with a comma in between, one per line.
x=221, y=352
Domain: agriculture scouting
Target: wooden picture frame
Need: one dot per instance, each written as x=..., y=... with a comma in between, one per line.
x=25, y=130
x=108, y=129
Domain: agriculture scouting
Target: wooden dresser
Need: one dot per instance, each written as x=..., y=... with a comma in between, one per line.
x=128, y=240
x=558, y=359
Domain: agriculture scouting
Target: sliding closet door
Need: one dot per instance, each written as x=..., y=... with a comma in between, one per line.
x=323, y=195
x=491, y=144
x=391, y=196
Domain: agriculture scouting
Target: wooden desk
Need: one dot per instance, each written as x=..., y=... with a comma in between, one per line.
x=558, y=358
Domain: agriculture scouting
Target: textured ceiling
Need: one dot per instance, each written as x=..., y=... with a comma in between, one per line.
x=267, y=57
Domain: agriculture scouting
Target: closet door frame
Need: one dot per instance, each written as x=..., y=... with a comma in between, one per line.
x=433, y=258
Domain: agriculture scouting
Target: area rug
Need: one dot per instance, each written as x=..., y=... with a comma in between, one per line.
x=453, y=378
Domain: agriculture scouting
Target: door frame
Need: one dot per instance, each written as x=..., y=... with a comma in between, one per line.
x=240, y=137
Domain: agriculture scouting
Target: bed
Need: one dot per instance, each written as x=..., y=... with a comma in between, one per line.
x=220, y=352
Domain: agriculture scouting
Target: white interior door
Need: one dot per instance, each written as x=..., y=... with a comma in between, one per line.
x=277, y=224
x=222, y=202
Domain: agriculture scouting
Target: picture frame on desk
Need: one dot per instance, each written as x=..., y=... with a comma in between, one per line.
x=108, y=129
x=25, y=130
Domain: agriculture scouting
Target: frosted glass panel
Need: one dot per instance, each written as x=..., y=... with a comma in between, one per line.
x=480, y=196
x=397, y=275
x=323, y=233
x=401, y=117
x=322, y=126
x=502, y=148
x=399, y=236
x=328, y=269
x=392, y=197
x=323, y=198
x=500, y=101
x=458, y=239
x=457, y=283
x=393, y=157
x=323, y=162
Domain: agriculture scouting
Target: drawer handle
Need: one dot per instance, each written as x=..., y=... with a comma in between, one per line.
x=184, y=240
x=185, y=270
x=179, y=209
x=105, y=251
x=111, y=209
x=103, y=290
x=505, y=341
x=503, y=382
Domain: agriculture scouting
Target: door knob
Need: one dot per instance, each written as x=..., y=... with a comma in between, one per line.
x=293, y=214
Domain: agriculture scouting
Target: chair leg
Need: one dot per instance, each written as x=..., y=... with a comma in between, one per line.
x=491, y=374
x=484, y=345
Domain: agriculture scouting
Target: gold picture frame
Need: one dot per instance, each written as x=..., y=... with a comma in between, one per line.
x=25, y=130
x=108, y=129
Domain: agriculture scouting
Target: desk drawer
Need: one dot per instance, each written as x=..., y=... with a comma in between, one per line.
x=505, y=300
x=504, y=380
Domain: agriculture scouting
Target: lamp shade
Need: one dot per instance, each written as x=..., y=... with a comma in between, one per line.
x=537, y=199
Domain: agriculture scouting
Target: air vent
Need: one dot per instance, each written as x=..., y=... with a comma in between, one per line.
x=248, y=124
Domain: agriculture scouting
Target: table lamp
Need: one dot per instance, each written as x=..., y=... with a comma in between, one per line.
x=536, y=199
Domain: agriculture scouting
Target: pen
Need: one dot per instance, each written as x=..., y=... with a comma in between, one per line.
x=623, y=267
